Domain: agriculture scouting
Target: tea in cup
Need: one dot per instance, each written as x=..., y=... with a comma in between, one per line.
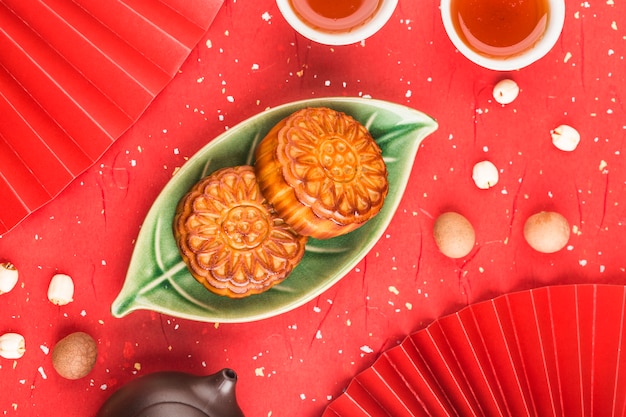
x=503, y=34
x=337, y=22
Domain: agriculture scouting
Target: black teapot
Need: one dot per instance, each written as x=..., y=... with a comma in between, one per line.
x=166, y=394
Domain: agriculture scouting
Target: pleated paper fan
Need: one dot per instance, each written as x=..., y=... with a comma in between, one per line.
x=553, y=351
x=74, y=75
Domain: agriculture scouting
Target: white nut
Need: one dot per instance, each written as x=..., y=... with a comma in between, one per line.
x=12, y=346
x=565, y=138
x=8, y=277
x=61, y=290
x=485, y=175
x=505, y=91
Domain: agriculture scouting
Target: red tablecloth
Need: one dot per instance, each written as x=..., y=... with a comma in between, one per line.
x=297, y=362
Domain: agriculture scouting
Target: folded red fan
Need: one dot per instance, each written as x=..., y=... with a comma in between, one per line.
x=73, y=77
x=553, y=351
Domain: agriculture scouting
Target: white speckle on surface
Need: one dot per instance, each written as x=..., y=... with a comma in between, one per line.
x=42, y=372
x=393, y=290
x=366, y=349
x=45, y=349
x=582, y=262
x=266, y=16
x=603, y=165
x=318, y=334
x=259, y=371
x=209, y=44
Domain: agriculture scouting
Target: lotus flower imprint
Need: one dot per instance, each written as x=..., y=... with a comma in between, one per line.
x=230, y=237
x=323, y=172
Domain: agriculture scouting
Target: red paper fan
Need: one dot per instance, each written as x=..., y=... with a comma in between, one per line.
x=74, y=75
x=554, y=351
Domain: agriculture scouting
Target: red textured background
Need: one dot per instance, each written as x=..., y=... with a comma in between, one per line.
x=295, y=363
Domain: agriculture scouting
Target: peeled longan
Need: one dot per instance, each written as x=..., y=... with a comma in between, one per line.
x=547, y=231
x=74, y=356
x=454, y=235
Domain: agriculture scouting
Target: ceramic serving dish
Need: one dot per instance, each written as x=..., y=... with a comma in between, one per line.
x=157, y=277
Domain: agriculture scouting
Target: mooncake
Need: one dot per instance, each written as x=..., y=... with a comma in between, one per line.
x=322, y=171
x=231, y=239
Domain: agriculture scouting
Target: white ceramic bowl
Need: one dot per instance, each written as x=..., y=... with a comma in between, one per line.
x=556, y=19
x=355, y=35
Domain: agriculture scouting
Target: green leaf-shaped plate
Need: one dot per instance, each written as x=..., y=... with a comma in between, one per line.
x=158, y=279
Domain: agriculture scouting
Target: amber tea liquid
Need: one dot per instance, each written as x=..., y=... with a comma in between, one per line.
x=500, y=28
x=335, y=15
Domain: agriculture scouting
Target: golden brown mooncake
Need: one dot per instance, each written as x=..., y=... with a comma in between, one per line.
x=322, y=172
x=231, y=239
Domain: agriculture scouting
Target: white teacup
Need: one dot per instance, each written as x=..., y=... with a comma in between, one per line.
x=343, y=31
x=538, y=44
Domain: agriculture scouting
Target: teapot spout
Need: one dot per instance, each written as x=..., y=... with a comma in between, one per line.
x=219, y=392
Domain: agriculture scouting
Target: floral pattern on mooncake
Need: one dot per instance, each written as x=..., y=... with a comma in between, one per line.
x=231, y=239
x=322, y=171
